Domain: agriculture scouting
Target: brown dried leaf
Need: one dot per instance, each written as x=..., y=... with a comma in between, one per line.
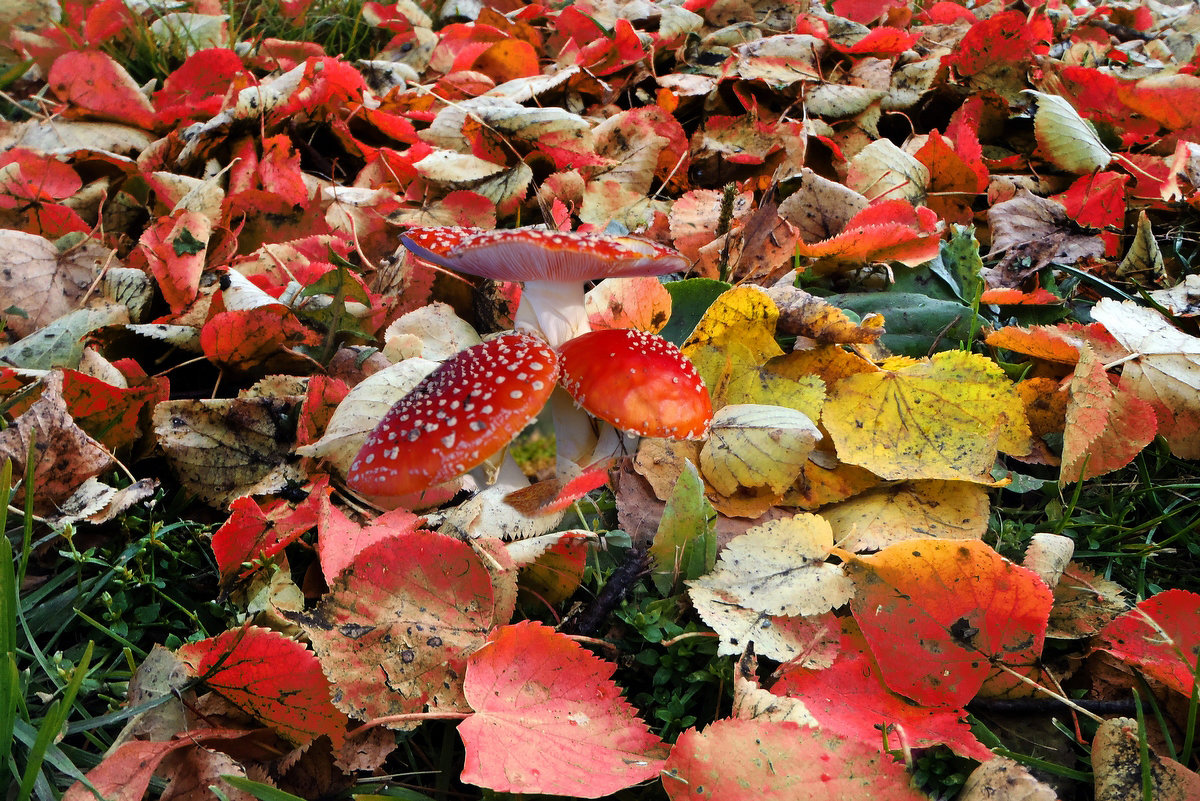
x=65, y=456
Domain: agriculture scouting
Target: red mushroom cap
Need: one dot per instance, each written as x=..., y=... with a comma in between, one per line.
x=460, y=414
x=637, y=381
x=532, y=254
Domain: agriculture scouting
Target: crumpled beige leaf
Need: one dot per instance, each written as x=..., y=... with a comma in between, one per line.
x=1001, y=779
x=64, y=455
x=754, y=445
x=223, y=449
x=40, y=282
x=883, y=170
x=783, y=638
x=1117, y=764
x=1165, y=369
x=779, y=568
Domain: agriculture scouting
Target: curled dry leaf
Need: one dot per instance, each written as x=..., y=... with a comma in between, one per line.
x=1000, y=777
x=1106, y=423
x=1165, y=371
x=38, y=284
x=1048, y=555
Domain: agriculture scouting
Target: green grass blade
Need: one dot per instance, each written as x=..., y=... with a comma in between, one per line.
x=52, y=724
x=262, y=792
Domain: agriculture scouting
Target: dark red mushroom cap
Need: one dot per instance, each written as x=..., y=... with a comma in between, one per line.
x=460, y=414
x=637, y=381
x=531, y=254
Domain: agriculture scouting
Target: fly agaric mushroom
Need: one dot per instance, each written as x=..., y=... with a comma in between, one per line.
x=552, y=266
x=637, y=381
x=456, y=417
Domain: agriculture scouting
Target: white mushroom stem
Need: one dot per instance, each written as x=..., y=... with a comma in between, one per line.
x=554, y=308
x=574, y=432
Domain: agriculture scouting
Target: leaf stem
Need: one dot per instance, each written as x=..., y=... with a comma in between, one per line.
x=417, y=716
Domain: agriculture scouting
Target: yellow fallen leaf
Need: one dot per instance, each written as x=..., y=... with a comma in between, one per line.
x=753, y=445
x=1068, y=140
x=955, y=510
x=779, y=568
x=941, y=418
x=744, y=315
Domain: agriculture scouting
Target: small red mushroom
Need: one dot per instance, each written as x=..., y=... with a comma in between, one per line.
x=455, y=418
x=637, y=381
x=552, y=265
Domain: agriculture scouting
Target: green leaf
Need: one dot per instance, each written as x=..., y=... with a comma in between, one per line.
x=262, y=792
x=690, y=299
x=186, y=243
x=60, y=344
x=685, y=545
x=916, y=324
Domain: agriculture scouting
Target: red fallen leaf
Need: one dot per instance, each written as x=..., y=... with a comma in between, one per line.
x=248, y=339
x=945, y=12
x=107, y=413
x=553, y=495
x=549, y=719
x=1015, y=297
x=1106, y=425
x=283, y=55
x=1098, y=200
x=1172, y=100
x=954, y=179
x=126, y=773
x=506, y=60
x=174, y=249
x=321, y=398
x=328, y=85
x=883, y=41
x=1160, y=637
x=1041, y=341
x=749, y=760
x=272, y=677
x=253, y=533
x=892, y=230
x=394, y=631
x=32, y=177
x=1004, y=38
x=100, y=87
x=340, y=539
x=865, y=11
x=556, y=573
x=200, y=86
x=613, y=52
x=937, y=612
x=849, y=699
x=30, y=183
x=1094, y=93
x=105, y=20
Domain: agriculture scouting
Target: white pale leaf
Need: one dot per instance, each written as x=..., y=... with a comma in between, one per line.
x=883, y=170
x=755, y=445
x=779, y=568
x=440, y=332
x=1068, y=140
